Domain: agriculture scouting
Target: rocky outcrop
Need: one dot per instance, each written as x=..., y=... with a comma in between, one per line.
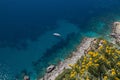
x=116, y=31
x=85, y=44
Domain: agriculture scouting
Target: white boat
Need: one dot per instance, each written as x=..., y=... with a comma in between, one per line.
x=57, y=34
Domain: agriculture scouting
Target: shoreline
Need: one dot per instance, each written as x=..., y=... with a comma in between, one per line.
x=115, y=34
x=84, y=45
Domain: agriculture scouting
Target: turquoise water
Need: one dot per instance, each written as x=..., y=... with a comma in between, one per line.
x=27, y=44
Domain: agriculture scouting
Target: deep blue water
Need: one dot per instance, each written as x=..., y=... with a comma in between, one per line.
x=26, y=28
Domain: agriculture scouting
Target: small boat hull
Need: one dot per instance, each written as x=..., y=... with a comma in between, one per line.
x=57, y=34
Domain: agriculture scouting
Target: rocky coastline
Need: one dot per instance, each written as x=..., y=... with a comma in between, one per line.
x=116, y=33
x=85, y=45
x=81, y=49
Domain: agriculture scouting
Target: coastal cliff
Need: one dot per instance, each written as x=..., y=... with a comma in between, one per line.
x=116, y=32
x=94, y=59
x=84, y=46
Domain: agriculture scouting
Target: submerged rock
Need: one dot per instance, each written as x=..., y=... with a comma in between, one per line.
x=26, y=77
x=50, y=68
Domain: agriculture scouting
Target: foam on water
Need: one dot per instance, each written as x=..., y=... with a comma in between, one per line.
x=5, y=72
x=18, y=60
x=22, y=59
x=29, y=14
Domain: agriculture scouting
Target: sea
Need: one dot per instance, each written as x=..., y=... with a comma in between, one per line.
x=27, y=43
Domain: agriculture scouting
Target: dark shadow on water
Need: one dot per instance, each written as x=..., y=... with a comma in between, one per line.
x=15, y=37
x=53, y=53
x=21, y=75
x=50, y=55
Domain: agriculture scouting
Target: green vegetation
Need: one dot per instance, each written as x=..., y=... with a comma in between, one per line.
x=100, y=63
x=65, y=74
